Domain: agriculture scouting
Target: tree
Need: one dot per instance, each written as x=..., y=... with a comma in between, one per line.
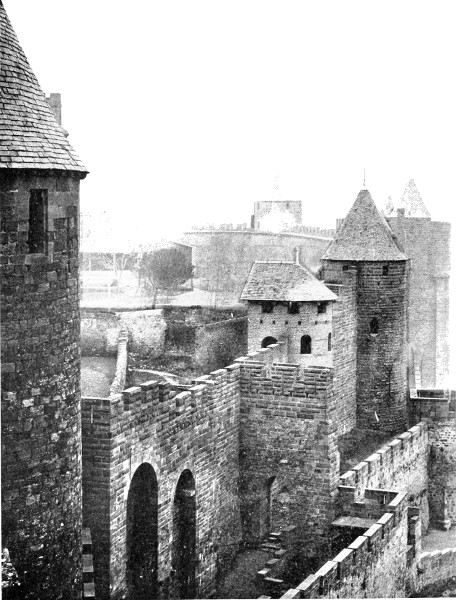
x=164, y=269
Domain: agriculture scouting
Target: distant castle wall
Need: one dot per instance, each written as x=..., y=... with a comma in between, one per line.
x=427, y=243
x=223, y=257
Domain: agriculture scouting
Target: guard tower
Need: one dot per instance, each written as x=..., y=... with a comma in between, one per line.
x=365, y=243
x=41, y=413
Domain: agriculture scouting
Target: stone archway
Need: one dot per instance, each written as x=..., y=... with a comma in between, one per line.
x=142, y=535
x=267, y=341
x=184, y=537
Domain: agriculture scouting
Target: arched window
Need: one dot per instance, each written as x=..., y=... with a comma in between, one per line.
x=142, y=534
x=268, y=340
x=373, y=325
x=329, y=342
x=306, y=344
x=183, y=557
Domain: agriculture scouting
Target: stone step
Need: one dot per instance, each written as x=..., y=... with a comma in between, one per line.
x=270, y=547
x=89, y=590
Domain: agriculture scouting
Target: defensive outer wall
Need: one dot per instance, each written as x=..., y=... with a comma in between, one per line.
x=199, y=430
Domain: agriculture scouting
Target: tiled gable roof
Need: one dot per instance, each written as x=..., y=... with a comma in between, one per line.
x=284, y=281
x=364, y=235
x=30, y=137
x=412, y=203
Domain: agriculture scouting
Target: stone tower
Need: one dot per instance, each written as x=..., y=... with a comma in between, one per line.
x=41, y=412
x=365, y=246
x=427, y=244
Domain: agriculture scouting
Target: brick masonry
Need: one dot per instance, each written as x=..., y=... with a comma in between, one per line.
x=196, y=430
x=289, y=328
x=41, y=431
x=286, y=423
x=381, y=362
x=427, y=244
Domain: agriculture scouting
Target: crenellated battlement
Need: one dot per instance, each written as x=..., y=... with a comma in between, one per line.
x=390, y=509
x=385, y=467
x=435, y=404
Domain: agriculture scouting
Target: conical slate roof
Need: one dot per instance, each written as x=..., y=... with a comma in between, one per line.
x=412, y=202
x=364, y=235
x=284, y=281
x=30, y=137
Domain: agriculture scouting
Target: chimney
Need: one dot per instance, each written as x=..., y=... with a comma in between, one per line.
x=55, y=102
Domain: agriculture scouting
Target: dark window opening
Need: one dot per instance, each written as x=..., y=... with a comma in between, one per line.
x=306, y=344
x=142, y=534
x=373, y=326
x=329, y=342
x=184, y=538
x=286, y=322
x=293, y=308
x=385, y=270
x=345, y=268
x=267, y=307
x=321, y=308
x=299, y=322
x=38, y=208
x=267, y=341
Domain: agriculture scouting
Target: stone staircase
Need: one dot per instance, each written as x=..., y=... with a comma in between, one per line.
x=270, y=582
x=87, y=565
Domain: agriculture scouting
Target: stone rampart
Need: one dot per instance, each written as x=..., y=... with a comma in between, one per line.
x=289, y=458
x=373, y=565
x=197, y=430
x=400, y=465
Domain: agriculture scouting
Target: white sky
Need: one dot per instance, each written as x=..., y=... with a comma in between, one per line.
x=183, y=110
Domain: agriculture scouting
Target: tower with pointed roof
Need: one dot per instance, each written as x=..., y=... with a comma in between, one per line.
x=427, y=244
x=365, y=245
x=41, y=410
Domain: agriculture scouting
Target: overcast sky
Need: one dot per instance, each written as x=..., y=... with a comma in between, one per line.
x=183, y=111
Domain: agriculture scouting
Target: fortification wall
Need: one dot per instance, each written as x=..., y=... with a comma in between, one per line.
x=41, y=432
x=344, y=348
x=218, y=344
x=289, y=459
x=212, y=247
x=436, y=407
x=100, y=329
x=427, y=243
x=399, y=465
x=374, y=565
x=197, y=430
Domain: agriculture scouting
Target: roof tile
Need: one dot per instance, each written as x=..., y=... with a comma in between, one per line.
x=284, y=281
x=364, y=235
x=26, y=114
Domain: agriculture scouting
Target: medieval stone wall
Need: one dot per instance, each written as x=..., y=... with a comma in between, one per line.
x=289, y=459
x=197, y=430
x=289, y=328
x=344, y=338
x=400, y=465
x=382, y=356
x=41, y=431
x=212, y=247
x=427, y=244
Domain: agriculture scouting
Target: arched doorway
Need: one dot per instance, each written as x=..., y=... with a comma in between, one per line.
x=184, y=537
x=268, y=340
x=142, y=538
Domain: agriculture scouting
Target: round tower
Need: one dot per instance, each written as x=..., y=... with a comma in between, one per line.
x=41, y=411
x=364, y=245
